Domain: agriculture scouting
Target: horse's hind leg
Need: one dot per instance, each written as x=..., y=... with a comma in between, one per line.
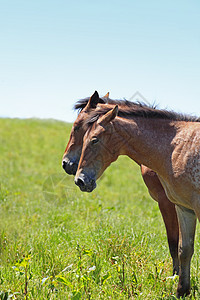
x=167, y=210
x=187, y=226
x=169, y=215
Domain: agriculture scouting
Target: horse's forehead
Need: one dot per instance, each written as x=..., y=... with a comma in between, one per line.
x=96, y=129
x=80, y=118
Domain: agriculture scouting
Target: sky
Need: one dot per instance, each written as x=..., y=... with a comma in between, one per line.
x=53, y=53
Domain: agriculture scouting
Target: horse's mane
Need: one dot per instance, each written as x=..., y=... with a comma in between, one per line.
x=81, y=104
x=129, y=109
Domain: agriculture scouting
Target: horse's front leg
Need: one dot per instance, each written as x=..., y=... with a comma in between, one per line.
x=187, y=226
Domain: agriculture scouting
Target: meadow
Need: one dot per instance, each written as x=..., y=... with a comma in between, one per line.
x=59, y=243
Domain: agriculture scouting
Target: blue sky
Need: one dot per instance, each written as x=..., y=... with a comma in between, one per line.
x=53, y=53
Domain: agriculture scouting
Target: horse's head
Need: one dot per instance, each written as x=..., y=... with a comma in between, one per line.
x=96, y=154
x=74, y=147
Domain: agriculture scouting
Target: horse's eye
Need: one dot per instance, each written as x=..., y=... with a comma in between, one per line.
x=76, y=128
x=94, y=140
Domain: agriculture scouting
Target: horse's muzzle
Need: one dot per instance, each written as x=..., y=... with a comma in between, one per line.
x=70, y=167
x=85, y=183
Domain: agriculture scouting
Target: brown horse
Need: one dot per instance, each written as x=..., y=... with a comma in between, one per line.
x=166, y=142
x=72, y=156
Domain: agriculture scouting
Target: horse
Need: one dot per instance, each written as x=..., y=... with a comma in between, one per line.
x=72, y=155
x=164, y=141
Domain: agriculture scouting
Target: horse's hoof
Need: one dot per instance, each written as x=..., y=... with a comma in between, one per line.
x=181, y=292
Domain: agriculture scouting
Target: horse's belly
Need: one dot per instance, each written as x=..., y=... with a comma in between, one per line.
x=177, y=193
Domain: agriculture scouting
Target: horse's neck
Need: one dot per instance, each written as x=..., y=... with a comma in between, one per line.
x=146, y=141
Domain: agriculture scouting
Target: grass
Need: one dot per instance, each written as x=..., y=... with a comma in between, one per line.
x=59, y=243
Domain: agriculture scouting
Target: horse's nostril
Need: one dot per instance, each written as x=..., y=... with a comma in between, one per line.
x=80, y=182
x=64, y=164
x=70, y=166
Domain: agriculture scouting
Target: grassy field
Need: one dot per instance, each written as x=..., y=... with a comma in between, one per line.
x=59, y=243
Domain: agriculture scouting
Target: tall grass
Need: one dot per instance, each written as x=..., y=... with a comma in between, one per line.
x=59, y=243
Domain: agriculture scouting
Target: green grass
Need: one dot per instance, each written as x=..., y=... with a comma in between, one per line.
x=59, y=243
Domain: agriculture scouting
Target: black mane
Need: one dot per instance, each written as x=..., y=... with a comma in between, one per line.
x=81, y=104
x=129, y=109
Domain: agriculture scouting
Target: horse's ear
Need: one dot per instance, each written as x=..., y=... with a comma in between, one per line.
x=109, y=116
x=94, y=100
x=107, y=95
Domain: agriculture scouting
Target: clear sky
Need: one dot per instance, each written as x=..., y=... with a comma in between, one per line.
x=53, y=53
